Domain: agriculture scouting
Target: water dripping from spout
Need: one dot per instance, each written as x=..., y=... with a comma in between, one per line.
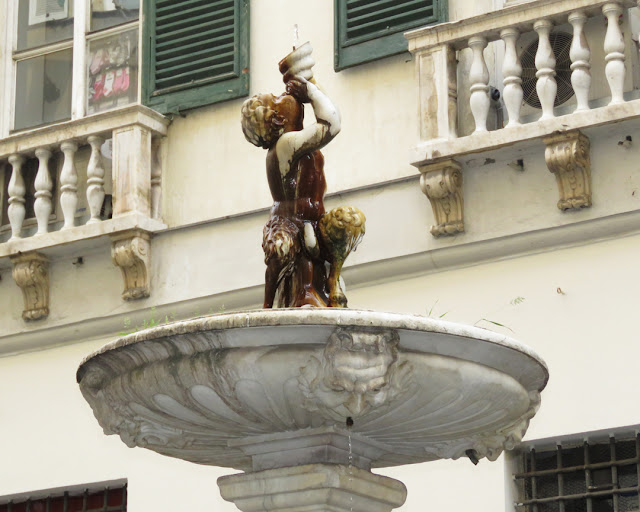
x=349, y=424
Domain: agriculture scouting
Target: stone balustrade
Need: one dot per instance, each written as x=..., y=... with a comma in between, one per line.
x=444, y=83
x=134, y=133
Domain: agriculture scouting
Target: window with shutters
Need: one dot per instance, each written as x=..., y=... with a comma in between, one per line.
x=67, y=59
x=367, y=30
x=196, y=52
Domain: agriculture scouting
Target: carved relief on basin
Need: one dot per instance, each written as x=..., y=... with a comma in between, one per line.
x=415, y=388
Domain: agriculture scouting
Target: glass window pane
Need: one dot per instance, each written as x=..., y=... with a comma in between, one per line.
x=43, y=89
x=107, y=13
x=43, y=22
x=113, y=71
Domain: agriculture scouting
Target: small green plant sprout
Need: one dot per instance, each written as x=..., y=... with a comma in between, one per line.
x=430, y=311
x=516, y=301
x=491, y=322
x=146, y=323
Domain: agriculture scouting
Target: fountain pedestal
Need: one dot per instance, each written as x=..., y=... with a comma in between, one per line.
x=313, y=488
x=312, y=470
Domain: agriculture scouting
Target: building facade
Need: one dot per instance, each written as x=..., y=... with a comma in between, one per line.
x=495, y=161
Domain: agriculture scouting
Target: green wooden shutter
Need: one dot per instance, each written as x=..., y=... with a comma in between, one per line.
x=367, y=30
x=195, y=52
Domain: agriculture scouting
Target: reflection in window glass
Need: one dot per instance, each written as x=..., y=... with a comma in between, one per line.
x=108, y=13
x=43, y=22
x=113, y=71
x=43, y=89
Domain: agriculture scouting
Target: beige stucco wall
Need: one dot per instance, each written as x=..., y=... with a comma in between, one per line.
x=197, y=269
x=586, y=335
x=514, y=246
x=378, y=102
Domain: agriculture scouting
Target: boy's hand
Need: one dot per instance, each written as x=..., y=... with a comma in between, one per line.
x=298, y=88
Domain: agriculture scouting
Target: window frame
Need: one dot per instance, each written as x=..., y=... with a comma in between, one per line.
x=82, y=36
x=73, y=491
x=518, y=473
x=217, y=91
x=353, y=53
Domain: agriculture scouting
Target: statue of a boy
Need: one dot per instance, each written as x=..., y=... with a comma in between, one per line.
x=304, y=246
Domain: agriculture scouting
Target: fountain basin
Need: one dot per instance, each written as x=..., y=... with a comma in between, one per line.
x=276, y=388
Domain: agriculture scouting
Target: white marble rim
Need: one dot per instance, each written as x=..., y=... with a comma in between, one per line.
x=519, y=360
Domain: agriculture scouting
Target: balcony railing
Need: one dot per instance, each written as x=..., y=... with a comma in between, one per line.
x=47, y=206
x=455, y=86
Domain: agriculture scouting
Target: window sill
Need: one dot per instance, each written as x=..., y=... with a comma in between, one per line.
x=59, y=244
x=525, y=135
x=102, y=123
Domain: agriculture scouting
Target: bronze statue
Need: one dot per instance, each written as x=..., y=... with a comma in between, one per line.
x=304, y=246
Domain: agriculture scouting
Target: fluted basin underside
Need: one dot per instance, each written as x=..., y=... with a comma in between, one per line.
x=216, y=390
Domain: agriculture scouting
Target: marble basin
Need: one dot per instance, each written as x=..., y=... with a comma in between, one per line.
x=278, y=388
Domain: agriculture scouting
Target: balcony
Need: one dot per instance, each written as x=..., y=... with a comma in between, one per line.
x=74, y=184
x=544, y=74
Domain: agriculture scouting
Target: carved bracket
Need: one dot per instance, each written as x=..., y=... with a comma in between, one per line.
x=568, y=157
x=31, y=274
x=132, y=253
x=442, y=184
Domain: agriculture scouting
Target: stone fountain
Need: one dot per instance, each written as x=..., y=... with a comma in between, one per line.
x=306, y=399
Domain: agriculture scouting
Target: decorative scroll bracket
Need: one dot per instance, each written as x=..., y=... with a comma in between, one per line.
x=131, y=252
x=442, y=184
x=568, y=157
x=31, y=274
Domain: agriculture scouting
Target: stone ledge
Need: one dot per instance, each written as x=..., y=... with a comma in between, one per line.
x=59, y=243
x=525, y=135
x=60, y=331
x=103, y=123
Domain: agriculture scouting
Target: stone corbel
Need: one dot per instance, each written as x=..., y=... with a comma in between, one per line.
x=568, y=157
x=131, y=252
x=31, y=274
x=442, y=184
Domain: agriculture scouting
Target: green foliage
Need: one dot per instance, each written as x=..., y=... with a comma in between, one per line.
x=513, y=302
x=430, y=311
x=492, y=322
x=147, y=323
x=153, y=321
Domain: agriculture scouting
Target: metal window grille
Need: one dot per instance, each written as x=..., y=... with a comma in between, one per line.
x=591, y=473
x=90, y=499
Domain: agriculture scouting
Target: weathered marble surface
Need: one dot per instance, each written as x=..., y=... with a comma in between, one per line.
x=416, y=389
x=313, y=487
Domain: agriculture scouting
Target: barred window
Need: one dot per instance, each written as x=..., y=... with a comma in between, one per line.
x=591, y=472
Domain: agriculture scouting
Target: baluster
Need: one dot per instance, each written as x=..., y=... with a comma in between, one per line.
x=156, y=179
x=580, y=57
x=16, y=211
x=546, y=85
x=95, y=179
x=69, y=184
x=43, y=185
x=512, y=71
x=479, y=77
x=614, y=49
